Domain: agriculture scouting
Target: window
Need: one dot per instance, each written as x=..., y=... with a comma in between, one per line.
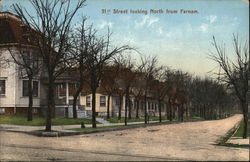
x=72, y=89
x=62, y=89
x=26, y=88
x=2, y=87
x=102, y=100
x=88, y=101
x=2, y=110
x=35, y=88
x=117, y=101
x=31, y=59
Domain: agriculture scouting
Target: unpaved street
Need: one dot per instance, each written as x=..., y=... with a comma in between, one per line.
x=185, y=141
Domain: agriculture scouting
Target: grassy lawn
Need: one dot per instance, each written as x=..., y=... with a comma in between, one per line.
x=39, y=121
x=239, y=132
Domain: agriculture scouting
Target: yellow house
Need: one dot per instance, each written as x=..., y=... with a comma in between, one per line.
x=64, y=99
x=101, y=103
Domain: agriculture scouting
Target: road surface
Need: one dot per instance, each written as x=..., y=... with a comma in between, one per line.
x=185, y=141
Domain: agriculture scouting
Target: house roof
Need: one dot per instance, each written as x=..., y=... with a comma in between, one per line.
x=13, y=30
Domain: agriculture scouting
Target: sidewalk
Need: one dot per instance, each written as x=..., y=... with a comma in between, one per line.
x=60, y=128
x=239, y=141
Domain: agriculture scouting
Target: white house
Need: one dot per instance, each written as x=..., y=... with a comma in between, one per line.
x=13, y=84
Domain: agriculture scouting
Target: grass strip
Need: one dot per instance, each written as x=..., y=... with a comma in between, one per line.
x=40, y=121
x=239, y=131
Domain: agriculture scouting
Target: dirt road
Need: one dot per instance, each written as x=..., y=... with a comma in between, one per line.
x=185, y=141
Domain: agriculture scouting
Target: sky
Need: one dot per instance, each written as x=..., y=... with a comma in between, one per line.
x=180, y=40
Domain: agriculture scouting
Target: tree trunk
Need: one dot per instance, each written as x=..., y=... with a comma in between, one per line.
x=76, y=95
x=137, y=108
x=204, y=111
x=244, y=106
x=170, y=112
x=74, y=106
x=129, y=108
x=81, y=81
x=126, y=109
x=168, y=109
x=186, y=110
x=53, y=113
x=108, y=107
x=30, y=88
x=51, y=103
x=182, y=112
x=145, y=109
x=159, y=105
x=120, y=107
x=94, y=107
x=178, y=113
x=200, y=109
x=174, y=111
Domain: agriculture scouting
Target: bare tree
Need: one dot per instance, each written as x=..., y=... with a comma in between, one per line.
x=127, y=78
x=52, y=24
x=160, y=89
x=100, y=55
x=235, y=73
x=182, y=81
x=110, y=84
x=27, y=59
x=83, y=40
x=120, y=93
x=138, y=91
x=171, y=93
x=210, y=99
x=148, y=67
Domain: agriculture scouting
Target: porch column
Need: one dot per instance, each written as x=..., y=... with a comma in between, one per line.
x=123, y=102
x=67, y=93
x=80, y=98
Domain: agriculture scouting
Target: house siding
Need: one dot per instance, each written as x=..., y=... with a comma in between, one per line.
x=13, y=101
x=101, y=110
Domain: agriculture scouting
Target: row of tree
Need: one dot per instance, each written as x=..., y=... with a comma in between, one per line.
x=180, y=92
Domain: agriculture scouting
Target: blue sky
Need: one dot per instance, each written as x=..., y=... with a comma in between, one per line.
x=181, y=41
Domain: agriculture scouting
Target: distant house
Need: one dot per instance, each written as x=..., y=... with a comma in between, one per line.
x=65, y=89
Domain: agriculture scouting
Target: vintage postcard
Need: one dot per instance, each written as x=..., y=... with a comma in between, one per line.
x=124, y=80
